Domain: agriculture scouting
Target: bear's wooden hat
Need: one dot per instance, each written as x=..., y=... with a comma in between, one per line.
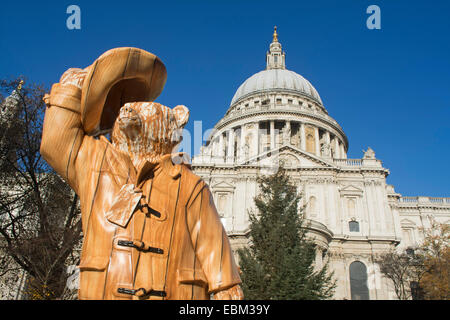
x=119, y=76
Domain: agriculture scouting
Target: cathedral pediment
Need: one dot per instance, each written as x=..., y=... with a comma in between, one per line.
x=290, y=157
x=351, y=190
x=407, y=223
x=222, y=185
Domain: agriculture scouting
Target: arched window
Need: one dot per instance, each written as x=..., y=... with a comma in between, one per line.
x=312, y=205
x=221, y=203
x=358, y=281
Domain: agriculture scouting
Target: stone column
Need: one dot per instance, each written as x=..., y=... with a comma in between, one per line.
x=272, y=134
x=302, y=136
x=337, y=149
x=261, y=136
x=339, y=144
x=237, y=138
x=317, y=142
x=327, y=137
x=287, y=128
x=327, y=153
x=221, y=153
x=214, y=147
x=342, y=151
x=256, y=139
x=230, y=156
x=242, y=144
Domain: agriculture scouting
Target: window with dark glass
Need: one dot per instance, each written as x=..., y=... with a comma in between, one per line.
x=353, y=226
x=358, y=281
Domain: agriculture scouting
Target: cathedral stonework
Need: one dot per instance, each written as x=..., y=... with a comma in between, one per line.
x=277, y=117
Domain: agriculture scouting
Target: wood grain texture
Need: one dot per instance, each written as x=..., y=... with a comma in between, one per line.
x=119, y=76
x=151, y=229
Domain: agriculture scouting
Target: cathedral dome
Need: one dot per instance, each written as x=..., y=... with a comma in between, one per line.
x=276, y=79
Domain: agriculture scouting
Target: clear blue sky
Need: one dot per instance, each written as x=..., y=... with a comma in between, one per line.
x=389, y=89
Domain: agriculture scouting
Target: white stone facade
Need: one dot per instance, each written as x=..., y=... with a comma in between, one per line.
x=277, y=116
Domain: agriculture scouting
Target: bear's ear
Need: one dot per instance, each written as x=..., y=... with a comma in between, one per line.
x=181, y=114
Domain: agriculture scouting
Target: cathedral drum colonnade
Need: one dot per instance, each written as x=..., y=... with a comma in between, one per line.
x=277, y=117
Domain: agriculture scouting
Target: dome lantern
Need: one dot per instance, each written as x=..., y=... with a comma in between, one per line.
x=275, y=58
x=276, y=78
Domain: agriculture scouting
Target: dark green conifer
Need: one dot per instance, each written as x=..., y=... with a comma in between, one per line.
x=278, y=264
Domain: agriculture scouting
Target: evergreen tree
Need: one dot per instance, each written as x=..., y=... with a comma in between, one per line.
x=278, y=264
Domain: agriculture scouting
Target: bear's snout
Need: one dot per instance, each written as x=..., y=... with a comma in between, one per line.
x=129, y=122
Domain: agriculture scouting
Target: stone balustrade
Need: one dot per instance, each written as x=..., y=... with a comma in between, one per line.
x=358, y=163
x=439, y=200
x=409, y=199
x=348, y=162
x=425, y=200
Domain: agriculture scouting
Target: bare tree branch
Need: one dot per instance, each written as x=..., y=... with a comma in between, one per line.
x=40, y=221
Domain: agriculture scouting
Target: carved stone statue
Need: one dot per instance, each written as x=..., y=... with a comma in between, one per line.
x=248, y=141
x=369, y=153
x=326, y=150
x=151, y=230
x=286, y=133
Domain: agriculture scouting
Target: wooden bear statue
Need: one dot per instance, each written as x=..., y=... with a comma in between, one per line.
x=151, y=230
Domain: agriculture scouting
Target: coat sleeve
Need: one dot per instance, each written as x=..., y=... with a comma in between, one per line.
x=62, y=133
x=211, y=243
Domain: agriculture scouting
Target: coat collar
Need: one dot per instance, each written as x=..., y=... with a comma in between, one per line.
x=169, y=163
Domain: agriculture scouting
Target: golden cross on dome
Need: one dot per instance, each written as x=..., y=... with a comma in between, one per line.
x=275, y=35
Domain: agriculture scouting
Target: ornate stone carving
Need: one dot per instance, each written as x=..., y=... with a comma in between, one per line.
x=286, y=133
x=325, y=150
x=369, y=153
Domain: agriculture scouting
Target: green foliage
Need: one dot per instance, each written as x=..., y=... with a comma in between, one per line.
x=279, y=262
